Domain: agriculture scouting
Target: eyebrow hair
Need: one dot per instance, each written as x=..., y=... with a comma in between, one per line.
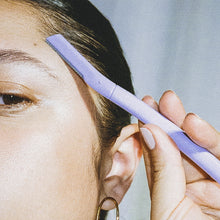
x=10, y=56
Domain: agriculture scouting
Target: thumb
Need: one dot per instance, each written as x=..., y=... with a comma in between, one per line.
x=168, y=177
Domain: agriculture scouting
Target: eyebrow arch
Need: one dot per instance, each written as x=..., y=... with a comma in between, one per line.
x=10, y=56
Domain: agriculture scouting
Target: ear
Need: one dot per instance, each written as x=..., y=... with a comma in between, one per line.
x=125, y=156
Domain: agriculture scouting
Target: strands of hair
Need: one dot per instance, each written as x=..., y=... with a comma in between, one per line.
x=93, y=36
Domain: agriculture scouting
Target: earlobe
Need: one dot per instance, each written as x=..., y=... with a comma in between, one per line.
x=126, y=154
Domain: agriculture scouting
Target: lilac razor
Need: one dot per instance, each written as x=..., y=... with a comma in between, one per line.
x=203, y=158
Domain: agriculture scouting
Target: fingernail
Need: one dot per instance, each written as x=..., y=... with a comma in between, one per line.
x=196, y=115
x=193, y=114
x=148, y=138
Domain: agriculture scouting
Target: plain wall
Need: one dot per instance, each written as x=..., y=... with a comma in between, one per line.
x=168, y=45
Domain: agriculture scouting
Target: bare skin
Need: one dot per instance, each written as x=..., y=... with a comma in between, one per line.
x=48, y=140
x=179, y=189
x=49, y=143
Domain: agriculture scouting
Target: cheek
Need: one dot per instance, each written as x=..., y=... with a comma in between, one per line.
x=47, y=165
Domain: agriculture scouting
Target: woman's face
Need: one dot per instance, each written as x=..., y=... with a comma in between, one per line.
x=47, y=132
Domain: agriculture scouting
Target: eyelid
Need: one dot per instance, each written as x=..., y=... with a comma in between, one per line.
x=16, y=89
x=7, y=87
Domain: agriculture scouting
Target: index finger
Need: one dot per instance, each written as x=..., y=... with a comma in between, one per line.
x=202, y=133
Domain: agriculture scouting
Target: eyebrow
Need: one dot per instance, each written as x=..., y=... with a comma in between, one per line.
x=12, y=56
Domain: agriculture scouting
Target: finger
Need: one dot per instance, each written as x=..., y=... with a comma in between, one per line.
x=168, y=185
x=202, y=133
x=148, y=167
x=147, y=160
x=172, y=108
x=192, y=171
x=205, y=193
x=153, y=104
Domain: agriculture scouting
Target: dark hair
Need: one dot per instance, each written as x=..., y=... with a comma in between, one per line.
x=92, y=34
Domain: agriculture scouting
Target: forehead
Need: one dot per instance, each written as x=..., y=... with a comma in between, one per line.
x=19, y=18
x=19, y=30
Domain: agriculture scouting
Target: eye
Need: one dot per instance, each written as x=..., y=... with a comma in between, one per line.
x=11, y=99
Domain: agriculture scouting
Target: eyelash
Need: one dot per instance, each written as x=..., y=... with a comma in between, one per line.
x=13, y=99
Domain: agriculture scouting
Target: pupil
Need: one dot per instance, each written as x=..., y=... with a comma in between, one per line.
x=11, y=99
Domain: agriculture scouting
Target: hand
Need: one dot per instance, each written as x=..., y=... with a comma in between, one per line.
x=179, y=188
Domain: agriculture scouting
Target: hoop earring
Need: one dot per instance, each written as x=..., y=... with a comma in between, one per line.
x=101, y=204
